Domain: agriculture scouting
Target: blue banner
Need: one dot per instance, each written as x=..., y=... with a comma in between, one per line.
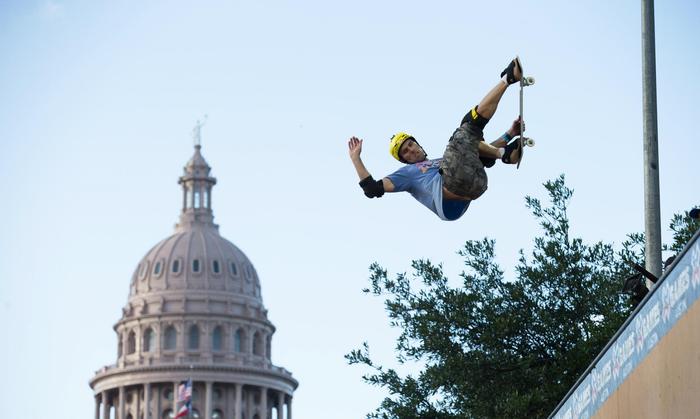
x=670, y=299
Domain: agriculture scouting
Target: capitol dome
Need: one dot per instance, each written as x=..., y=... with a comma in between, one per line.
x=195, y=259
x=194, y=312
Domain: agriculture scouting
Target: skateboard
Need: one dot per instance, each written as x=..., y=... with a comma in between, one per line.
x=523, y=140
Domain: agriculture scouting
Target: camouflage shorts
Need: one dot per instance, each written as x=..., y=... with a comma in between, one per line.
x=463, y=173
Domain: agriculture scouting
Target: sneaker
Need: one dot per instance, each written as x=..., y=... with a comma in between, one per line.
x=514, y=72
x=514, y=148
x=487, y=162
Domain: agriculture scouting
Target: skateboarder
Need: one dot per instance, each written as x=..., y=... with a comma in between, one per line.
x=447, y=186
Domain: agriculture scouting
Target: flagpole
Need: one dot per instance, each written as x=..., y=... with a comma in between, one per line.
x=184, y=399
x=652, y=200
x=189, y=412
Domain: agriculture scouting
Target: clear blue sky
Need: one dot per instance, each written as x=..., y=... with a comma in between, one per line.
x=98, y=100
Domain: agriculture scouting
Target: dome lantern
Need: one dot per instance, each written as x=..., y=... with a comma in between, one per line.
x=197, y=185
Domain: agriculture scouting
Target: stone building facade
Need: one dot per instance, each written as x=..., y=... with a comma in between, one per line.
x=194, y=311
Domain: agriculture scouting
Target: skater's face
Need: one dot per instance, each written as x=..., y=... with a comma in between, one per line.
x=411, y=152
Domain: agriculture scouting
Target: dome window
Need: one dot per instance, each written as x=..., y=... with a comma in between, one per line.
x=149, y=340
x=215, y=267
x=157, y=268
x=176, y=266
x=194, y=338
x=170, y=338
x=217, y=343
x=234, y=270
x=248, y=272
x=195, y=266
x=144, y=270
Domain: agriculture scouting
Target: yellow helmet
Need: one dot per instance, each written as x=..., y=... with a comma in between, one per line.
x=395, y=144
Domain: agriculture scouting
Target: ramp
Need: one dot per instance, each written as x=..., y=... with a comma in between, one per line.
x=651, y=367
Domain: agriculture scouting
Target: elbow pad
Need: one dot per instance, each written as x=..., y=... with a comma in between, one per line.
x=373, y=188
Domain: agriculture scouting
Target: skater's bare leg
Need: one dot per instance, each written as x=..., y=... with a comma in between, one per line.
x=488, y=105
x=489, y=151
x=500, y=142
x=494, y=150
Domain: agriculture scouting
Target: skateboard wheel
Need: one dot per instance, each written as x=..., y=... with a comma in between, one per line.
x=529, y=142
x=527, y=81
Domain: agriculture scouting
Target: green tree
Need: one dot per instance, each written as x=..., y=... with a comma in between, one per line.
x=683, y=228
x=494, y=348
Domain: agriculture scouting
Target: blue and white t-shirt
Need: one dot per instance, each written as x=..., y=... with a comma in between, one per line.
x=424, y=182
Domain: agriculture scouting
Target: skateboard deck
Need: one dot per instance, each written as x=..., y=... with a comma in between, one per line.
x=523, y=140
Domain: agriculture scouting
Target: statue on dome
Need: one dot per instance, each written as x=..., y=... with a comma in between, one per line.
x=197, y=131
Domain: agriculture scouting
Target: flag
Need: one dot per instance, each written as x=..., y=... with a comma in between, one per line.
x=184, y=410
x=184, y=396
x=184, y=392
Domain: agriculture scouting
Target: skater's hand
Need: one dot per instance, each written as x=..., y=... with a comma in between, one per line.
x=355, y=148
x=516, y=128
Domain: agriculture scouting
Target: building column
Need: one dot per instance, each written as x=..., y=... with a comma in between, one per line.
x=207, y=399
x=280, y=405
x=97, y=407
x=120, y=413
x=263, y=402
x=158, y=390
x=147, y=401
x=105, y=405
x=251, y=331
x=289, y=408
x=249, y=405
x=137, y=410
x=238, y=404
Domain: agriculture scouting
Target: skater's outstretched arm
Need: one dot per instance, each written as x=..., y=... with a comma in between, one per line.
x=355, y=149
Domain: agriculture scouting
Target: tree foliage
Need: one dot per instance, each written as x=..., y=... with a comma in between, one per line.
x=492, y=347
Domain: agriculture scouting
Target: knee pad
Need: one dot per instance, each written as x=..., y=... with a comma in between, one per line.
x=473, y=117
